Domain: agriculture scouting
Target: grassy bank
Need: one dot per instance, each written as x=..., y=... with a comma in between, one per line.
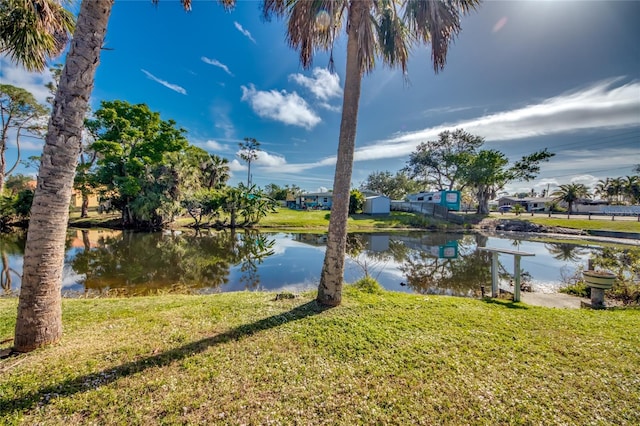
x=579, y=223
x=391, y=358
x=317, y=220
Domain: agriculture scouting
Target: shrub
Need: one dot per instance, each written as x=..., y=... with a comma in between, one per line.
x=368, y=285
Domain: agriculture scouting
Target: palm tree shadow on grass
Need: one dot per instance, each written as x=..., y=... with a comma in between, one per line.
x=510, y=304
x=105, y=377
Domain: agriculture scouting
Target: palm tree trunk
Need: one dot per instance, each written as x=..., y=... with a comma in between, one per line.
x=39, y=319
x=330, y=288
x=85, y=205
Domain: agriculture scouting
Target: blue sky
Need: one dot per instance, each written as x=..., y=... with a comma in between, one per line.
x=525, y=75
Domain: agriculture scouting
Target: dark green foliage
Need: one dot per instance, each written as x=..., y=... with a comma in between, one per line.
x=22, y=205
x=356, y=201
x=15, y=208
x=440, y=163
x=16, y=183
x=135, y=171
x=395, y=186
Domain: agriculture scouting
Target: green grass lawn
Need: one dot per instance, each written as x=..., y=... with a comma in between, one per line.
x=388, y=358
x=283, y=218
x=319, y=220
x=585, y=224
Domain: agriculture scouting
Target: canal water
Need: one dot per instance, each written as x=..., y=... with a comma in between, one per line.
x=107, y=261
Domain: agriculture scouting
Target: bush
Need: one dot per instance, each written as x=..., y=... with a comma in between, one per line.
x=356, y=201
x=368, y=285
x=625, y=264
x=578, y=289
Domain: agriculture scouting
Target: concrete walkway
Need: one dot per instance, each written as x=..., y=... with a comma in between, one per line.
x=552, y=300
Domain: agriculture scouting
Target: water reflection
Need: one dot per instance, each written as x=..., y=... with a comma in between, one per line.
x=421, y=262
x=144, y=262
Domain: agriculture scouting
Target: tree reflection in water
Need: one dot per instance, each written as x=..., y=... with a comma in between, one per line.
x=143, y=263
x=460, y=276
x=11, y=244
x=211, y=261
x=566, y=251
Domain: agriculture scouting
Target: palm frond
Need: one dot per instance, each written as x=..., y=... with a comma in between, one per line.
x=393, y=35
x=306, y=30
x=437, y=22
x=32, y=31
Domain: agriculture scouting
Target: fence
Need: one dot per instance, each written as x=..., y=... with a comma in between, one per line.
x=427, y=209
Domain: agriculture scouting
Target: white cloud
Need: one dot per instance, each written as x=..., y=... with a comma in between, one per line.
x=270, y=160
x=222, y=121
x=30, y=81
x=324, y=85
x=329, y=107
x=288, y=108
x=166, y=84
x=217, y=63
x=237, y=166
x=246, y=33
x=596, y=106
x=599, y=106
x=215, y=146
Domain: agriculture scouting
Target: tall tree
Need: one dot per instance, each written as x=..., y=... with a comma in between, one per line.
x=385, y=28
x=440, y=163
x=488, y=171
x=249, y=152
x=570, y=193
x=32, y=31
x=132, y=142
x=21, y=115
x=39, y=320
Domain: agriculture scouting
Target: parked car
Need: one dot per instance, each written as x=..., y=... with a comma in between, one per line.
x=503, y=209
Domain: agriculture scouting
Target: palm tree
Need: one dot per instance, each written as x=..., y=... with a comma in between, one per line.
x=631, y=189
x=387, y=28
x=39, y=320
x=602, y=189
x=616, y=186
x=32, y=31
x=570, y=193
x=215, y=172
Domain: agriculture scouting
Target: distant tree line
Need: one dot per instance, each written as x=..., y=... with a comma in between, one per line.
x=456, y=161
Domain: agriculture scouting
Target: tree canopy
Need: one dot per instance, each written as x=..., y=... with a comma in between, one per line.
x=439, y=164
x=488, y=171
x=395, y=186
x=133, y=168
x=455, y=161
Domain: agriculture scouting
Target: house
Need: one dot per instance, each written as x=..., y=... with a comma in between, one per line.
x=314, y=200
x=377, y=204
x=530, y=204
x=449, y=199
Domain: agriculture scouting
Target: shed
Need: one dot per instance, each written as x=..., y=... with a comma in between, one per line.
x=378, y=204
